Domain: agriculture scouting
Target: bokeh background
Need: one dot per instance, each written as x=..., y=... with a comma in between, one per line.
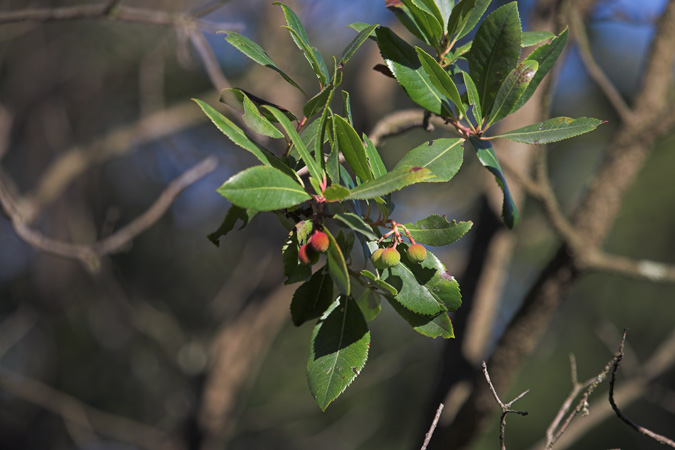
x=138, y=338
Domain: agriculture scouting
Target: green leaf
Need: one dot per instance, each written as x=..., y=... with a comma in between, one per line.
x=335, y=192
x=347, y=108
x=445, y=9
x=312, y=298
x=546, y=56
x=338, y=352
x=531, y=38
x=337, y=266
x=425, y=288
x=393, y=181
x=314, y=170
x=360, y=38
x=369, y=304
x=356, y=223
x=294, y=270
x=377, y=167
x=263, y=188
x=352, y=148
x=317, y=103
x=442, y=157
x=257, y=122
x=403, y=62
x=234, y=97
x=360, y=26
x=465, y=15
x=257, y=54
x=473, y=98
x=433, y=327
x=440, y=79
x=299, y=35
x=433, y=7
x=488, y=158
x=510, y=92
x=237, y=136
x=406, y=18
x=437, y=231
x=426, y=21
x=553, y=130
x=234, y=214
x=495, y=52
x=379, y=282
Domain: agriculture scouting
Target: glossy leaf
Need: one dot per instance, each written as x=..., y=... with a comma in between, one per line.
x=263, y=188
x=377, y=167
x=433, y=327
x=472, y=97
x=403, y=62
x=495, y=52
x=511, y=90
x=352, y=148
x=425, y=20
x=312, y=298
x=425, y=288
x=465, y=15
x=546, y=56
x=316, y=104
x=369, y=304
x=379, y=282
x=553, y=130
x=392, y=181
x=314, y=170
x=299, y=36
x=337, y=267
x=355, y=43
x=234, y=97
x=237, y=136
x=531, y=38
x=445, y=9
x=356, y=223
x=442, y=157
x=338, y=352
x=257, y=122
x=233, y=215
x=440, y=79
x=257, y=54
x=335, y=192
x=406, y=18
x=488, y=158
x=437, y=231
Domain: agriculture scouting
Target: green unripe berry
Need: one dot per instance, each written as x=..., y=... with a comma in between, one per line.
x=376, y=258
x=307, y=255
x=319, y=241
x=390, y=257
x=417, y=253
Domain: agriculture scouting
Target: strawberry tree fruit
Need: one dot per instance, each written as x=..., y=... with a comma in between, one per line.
x=417, y=253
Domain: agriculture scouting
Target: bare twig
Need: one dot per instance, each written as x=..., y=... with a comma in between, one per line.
x=430, y=433
x=90, y=254
x=640, y=429
x=506, y=407
x=80, y=414
x=594, y=70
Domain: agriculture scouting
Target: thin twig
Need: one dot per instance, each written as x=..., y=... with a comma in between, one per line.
x=506, y=407
x=594, y=70
x=90, y=254
x=430, y=433
x=640, y=429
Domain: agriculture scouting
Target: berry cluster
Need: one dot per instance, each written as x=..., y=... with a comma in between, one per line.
x=384, y=258
x=309, y=252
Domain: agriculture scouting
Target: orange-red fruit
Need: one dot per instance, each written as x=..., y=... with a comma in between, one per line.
x=307, y=255
x=390, y=257
x=376, y=258
x=417, y=253
x=319, y=241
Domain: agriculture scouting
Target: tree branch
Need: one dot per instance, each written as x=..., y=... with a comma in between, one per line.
x=90, y=254
x=430, y=433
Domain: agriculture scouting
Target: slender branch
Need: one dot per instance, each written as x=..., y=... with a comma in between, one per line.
x=90, y=254
x=640, y=429
x=639, y=269
x=79, y=414
x=594, y=70
x=430, y=433
x=205, y=52
x=506, y=407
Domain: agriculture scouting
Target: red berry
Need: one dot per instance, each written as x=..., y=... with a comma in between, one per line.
x=307, y=255
x=319, y=241
x=390, y=257
x=417, y=253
